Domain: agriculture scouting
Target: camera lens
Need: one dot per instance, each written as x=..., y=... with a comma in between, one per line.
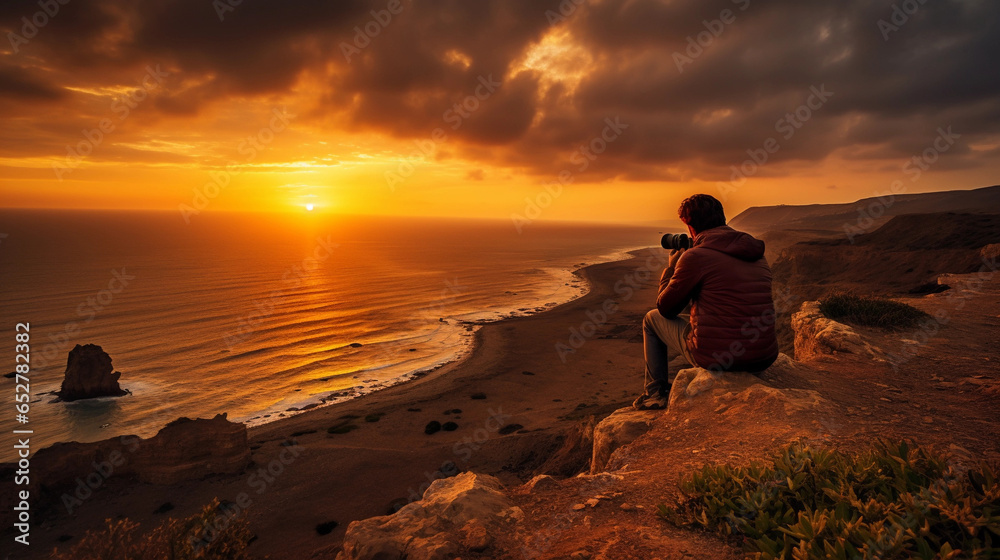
x=675, y=241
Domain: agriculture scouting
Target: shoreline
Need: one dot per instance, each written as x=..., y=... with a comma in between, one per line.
x=480, y=340
x=333, y=398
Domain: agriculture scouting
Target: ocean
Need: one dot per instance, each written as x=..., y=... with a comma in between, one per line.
x=263, y=315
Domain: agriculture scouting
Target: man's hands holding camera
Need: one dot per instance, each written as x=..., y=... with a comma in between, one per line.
x=675, y=255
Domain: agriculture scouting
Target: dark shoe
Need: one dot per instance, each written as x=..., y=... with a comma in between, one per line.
x=651, y=402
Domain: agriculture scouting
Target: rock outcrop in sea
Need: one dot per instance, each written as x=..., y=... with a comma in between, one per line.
x=89, y=374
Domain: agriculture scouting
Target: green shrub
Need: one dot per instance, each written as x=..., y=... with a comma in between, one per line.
x=213, y=534
x=895, y=501
x=871, y=311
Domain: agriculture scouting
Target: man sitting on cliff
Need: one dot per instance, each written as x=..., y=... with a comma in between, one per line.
x=726, y=279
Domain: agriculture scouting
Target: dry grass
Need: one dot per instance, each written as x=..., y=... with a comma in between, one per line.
x=871, y=311
x=217, y=533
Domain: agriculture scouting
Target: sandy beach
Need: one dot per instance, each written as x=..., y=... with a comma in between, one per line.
x=526, y=383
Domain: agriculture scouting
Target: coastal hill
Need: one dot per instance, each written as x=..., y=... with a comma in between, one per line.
x=782, y=225
x=893, y=245
x=904, y=256
x=832, y=216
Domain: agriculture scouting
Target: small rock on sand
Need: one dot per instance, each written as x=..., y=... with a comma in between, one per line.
x=510, y=429
x=432, y=427
x=164, y=507
x=541, y=482
x=326, y=528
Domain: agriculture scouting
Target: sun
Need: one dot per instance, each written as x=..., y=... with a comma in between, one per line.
x=309, y=207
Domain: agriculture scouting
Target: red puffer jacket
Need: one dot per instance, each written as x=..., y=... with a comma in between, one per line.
x=725, y=276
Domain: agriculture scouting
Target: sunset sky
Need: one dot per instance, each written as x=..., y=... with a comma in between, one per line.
x=462, y=108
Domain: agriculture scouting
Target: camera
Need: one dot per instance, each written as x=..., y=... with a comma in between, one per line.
x=675, y=241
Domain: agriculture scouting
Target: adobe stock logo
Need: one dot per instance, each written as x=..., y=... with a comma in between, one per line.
x=698, y=43
x=900, y=16
x=31, y=26
x=787, y=126
x=122, y=106
x=581, y=158
x=363, y=36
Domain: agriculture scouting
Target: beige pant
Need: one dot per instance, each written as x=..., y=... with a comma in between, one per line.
x=663, y=340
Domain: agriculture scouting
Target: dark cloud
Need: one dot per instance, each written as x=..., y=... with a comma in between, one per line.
x=893, y=86
x=19, y=83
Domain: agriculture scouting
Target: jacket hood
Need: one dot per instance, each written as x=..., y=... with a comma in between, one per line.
x=734, y=243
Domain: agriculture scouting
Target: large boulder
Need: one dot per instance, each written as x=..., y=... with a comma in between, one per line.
x=621, y=428
x=456, y=516
x=698, y=391
x=89, y=374
x=702, y=393
x=705, y=405
x=818, y=338
x=183, y=450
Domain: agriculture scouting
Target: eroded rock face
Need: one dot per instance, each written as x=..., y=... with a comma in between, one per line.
x=456, y=516
x=990, y=253
x=621, y=428
x=820, y=338
x=574, y=455
x=89, y=374
x=188, y=449
x=183, y=450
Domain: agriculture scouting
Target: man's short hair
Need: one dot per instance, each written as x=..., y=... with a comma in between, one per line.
x=701, y=212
